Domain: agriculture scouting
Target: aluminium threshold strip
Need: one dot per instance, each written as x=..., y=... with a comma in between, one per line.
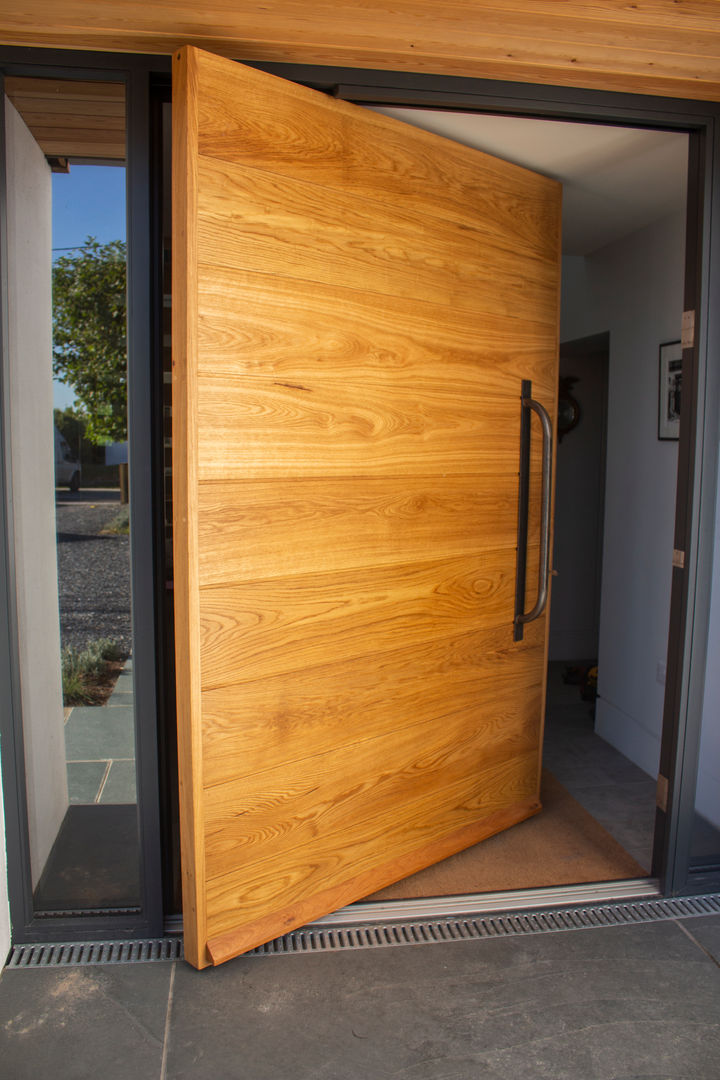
x=324, y=937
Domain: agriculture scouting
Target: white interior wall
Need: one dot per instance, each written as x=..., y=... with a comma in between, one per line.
x=29, y=209
x=634, y=289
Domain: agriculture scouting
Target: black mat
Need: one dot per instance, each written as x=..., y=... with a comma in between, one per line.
x=94, y=862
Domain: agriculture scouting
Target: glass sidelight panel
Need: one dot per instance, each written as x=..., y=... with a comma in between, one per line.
x=66, y=255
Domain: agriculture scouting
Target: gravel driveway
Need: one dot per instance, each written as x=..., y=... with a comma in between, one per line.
x=93, y=570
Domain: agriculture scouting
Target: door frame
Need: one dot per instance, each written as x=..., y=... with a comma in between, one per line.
x=697, y=467
x=147, y=921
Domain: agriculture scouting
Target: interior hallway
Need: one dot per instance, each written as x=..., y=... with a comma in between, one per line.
x=618, y=794
x=640, y=1001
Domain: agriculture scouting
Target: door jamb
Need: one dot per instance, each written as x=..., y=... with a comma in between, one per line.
x=687, y=647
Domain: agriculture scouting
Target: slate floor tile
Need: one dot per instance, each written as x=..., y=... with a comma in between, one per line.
x=83, y=1023
x=638, y=1002
x=707, y=932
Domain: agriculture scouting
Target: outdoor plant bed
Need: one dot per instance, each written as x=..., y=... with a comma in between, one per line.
x=89, y=675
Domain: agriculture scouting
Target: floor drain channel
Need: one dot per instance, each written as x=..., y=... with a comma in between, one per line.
x=86, y=953
x=377, y=936
x=462, y=928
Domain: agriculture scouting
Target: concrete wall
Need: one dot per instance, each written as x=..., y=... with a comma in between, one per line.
x=33, y=483
x=634, y=290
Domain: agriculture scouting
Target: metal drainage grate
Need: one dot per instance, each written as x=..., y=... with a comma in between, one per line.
x=384, y=935
x=464, y=928
x=76, y=954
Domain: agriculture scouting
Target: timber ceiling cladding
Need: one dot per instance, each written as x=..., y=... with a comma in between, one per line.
x=667, y=47
x=76, y=120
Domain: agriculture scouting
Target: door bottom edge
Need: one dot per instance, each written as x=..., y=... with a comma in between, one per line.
x=437, y=907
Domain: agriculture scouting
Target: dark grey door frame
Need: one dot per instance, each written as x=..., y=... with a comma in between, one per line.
x=148, y=920
x=697, y=470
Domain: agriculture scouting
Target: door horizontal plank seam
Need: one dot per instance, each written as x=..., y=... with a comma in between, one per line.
x=367, y=657
x=532, y=685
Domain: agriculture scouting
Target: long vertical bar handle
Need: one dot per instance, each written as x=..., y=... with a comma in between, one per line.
x=544, y=569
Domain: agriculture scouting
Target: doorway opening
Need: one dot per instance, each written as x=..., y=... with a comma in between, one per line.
x=622, y=300
x=581, y=655
x=623, y=270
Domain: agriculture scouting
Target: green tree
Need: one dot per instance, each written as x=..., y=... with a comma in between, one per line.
x=89, y=335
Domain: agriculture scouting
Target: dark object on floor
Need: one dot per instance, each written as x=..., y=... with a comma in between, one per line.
x=94, y=862
x=585, y=676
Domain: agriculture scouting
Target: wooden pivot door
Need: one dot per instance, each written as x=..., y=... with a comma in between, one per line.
x=356, y=305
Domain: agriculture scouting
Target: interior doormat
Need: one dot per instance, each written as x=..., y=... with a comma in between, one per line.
x=562, y=845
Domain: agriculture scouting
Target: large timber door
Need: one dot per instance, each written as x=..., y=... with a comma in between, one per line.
x=356, y=305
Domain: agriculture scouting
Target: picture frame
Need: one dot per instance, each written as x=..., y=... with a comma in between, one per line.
x=670, y=390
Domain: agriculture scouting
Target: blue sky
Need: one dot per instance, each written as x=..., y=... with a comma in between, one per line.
x=87, y=201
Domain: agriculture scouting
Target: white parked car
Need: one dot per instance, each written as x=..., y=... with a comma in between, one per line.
x=67, y=466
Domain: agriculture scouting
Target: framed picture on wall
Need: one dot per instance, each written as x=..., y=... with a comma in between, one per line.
x=670, y=390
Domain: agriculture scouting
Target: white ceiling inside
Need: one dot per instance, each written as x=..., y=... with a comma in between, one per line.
x=615, y=179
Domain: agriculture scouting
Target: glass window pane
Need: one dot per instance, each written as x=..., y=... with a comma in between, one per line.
x=69, y=476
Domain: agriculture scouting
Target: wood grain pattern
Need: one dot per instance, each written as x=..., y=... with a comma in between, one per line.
x=253, y=630
x=261, y=817
x=72, y=119
x=509, y=783
x=255, y=726
x=243, y=525
x=253, y=219
x=340, y=333
x=291, y=361
x=376, y=162
x=346, y=527
x=652, y=46
x=348, y=429
x=308, y=905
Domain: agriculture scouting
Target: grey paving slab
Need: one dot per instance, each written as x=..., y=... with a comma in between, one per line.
x=83, y=1023
x=120, y=784
x=707, y=932
x=612, y=1004
x=98, y=732
x=84, y=780
x=119, y=697
x=122, y=693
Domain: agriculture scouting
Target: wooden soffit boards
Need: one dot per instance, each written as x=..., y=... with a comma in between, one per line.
x=81, y=120
x=661, y=47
